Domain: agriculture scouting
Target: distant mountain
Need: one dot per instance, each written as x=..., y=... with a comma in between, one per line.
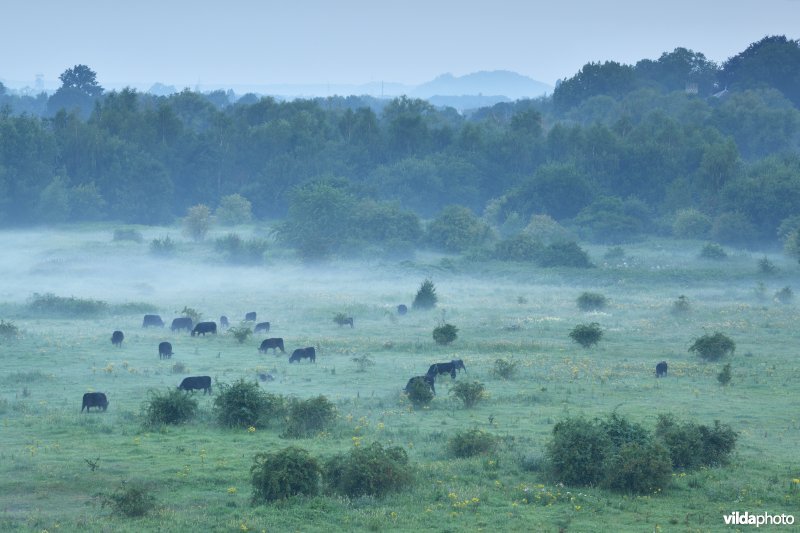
x=489, y=83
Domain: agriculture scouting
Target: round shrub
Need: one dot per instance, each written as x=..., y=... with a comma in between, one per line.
x=785, y=295
x=241, y=334
x=724, y=376
x=577, y=452
x=130, y=500
x=469, y=393
x=234, y=209
x=456, y=229
x=591, y=301
x=641, y=468
x=283, y=474
x=471, y=443
x=426, y=296
x=307, y=417
x=691, y=224
x=505, y=368
x=171, y=407
x=368, y=471
x=445, y=334
x=419, y=393
x=693, y=445
x=587, y=335
x=734, y=228
x=564, y=254
x=520, y=247
x=244, y=404
x=681, y=306
x=713, y=347
x=8, y=330
x=713, y=251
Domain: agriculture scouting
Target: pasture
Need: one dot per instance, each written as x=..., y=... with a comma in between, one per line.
x=57, y=463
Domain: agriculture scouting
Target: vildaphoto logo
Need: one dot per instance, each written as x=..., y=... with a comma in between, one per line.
x=764, y=519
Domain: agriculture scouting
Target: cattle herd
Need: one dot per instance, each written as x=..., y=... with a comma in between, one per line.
x=190, y=384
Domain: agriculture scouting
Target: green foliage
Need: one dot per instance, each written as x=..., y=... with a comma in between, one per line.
x=469, y=392
x=734, y=228
x=520, y=247
x=691, y=224
x=341, y=319
x=693, y=445
x=470, y=443
x=724, y=376
x=192, y=313
x=564, y=254
x=369, y=471
x=307, y=417
x=234, y=209
x=577, y=452
x=8, y=330
x=51, y=305
x=765, y=266
x=505, y=368
x=363, y=362
x=171, y=407
x=419, y=393
x=445, y=333
x=639, y=468
x=681, y=305
x=241, y=334
x=587, y=335
x=791, y=245
x=785, y=295
x=280, y=475
x=713, y=251
x=128, y=234
x=164, y=247
x=545, y=229
x=607, y=78
x=613, y=220
x=244, y=404
x=238, y=251
x=130, y=500
x=197, y=222
x=426, y=297
x=456, y=229
x=591, y=301
x=713, y=347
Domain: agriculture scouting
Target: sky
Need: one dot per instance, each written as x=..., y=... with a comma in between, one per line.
x=234, y=43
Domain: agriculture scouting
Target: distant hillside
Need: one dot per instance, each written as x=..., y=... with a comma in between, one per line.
x=489, y=83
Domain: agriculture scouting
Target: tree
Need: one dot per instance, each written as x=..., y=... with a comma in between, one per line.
x=770, y=62
x=674, y=70
x=79, y=89
x=610, y=77
x=234, y=209
x=457, y=229
x=197, y=222
x=81, y=78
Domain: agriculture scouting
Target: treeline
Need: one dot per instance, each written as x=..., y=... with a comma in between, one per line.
x=617, y=152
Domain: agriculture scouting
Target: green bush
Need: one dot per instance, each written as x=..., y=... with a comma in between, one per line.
x=241, y=334
x=163, y=247
x=128, y=234
x=587, y=335
x=765, y=266
x=307, y=417
x=341, y=319
x=724, y=376
x=469, y=393
x=564, y=254
x=194, y=314
x=234, y=209
x=426, y=297
x=419, y=393
x=713, y=251
x=244, y=404
x=691, y=224
x=369, y=471
x=640, y=468
x=613, y=220
x=505, y=368
x=578, y=451
x=445, y=334
x=171, y=407
x=456, y=229
x=197, y=222
x=544, y=229
x=520, y=247
x=471, y=443
x=693, y=445
x=8, y=330
x=681, y=306
x=51, y=305
x=240, y=252
x=621, y=431
x=785, y=295
x=734, y=228
x=283, y=474
x=130, y=500
x=713, y=347
x=591, y=301
x=363, y=362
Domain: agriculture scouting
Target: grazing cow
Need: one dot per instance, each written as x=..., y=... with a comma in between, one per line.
x=427, y=379
x=196, y=383
x=250, y=317
x=223, y=321
x=204, y=327
x=402, y=309
x=183, y=322
x=447, y=368
x=303, y=353
x=94, y=399
x=262, y=326
x=117, y=338
x=152, y=320
x=164, y=350
x=661, y=369
x=273, y=343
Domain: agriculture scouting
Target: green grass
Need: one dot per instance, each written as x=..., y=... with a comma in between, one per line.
x=199, y=472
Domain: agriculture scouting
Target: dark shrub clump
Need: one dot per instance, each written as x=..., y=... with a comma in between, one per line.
x=307, y=417
x=419, y=393
x=368, y=471
x=171, y=407
x=130, y=500
x=445, y=334
x=713, y=347
x=244, y=404
x=591, y=301
x=470, y=443
x=426, y=296
x=469, y=393
x=285, y=473
x=693, y=445
x=587, y=335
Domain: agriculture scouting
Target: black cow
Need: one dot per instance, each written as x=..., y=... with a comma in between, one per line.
x=402, y=309
x=273, y=343
x=250, y=317
x=447, y=368
x=303, y=353
x=183, y=322
x=223, y=321
x=94, y=399
x=661, y=369
x=152, y=320
x=204, y=327
x=116, y=338
x=164, y=350
x=196, y=383
x=348, y=320
x=262, y=326
x=427, y=379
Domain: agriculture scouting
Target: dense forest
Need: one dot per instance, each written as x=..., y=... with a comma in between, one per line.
x=674, y=146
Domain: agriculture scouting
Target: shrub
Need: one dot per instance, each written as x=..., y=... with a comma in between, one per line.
x=469, y=393
x=785, y=295
x=621, y=431
x=614, y=220
x=241, y=334
x=471, y=443
x=691, y=224
x=615, y=253
x=577, y=452
x=51, y=305
x=765, y=266
x=564, y=254
x=734, y=229
x=445, y=334
x=283, y=474
x=457, y=229
x=192, y=313
x=505, y=368
x=681, y=306
x=544, y=229
x=234, y=209
x=8, y=330
x=197, y=222
x=238, y=251
x=128, y=234
x=163, y=247
x=591, y=301
x=130, y=500
x=641, y=468
x=341, y=319
x=426, y=297
x=521, y=247
x=368, y=471
x=713, y=347
x=307, y=417
x=363, y=362
x=724, y=376
x=587, y=335
x=171, y=407
x=693, y=445
x=244, y=404
x=419, y=393
x=713, y=251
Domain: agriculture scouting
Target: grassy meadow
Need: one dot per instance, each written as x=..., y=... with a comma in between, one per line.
x=57, y=464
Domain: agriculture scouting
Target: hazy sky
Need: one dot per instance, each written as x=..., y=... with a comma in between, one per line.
x=248, y=42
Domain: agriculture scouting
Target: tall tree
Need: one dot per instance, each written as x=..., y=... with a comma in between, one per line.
x=771, y=62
